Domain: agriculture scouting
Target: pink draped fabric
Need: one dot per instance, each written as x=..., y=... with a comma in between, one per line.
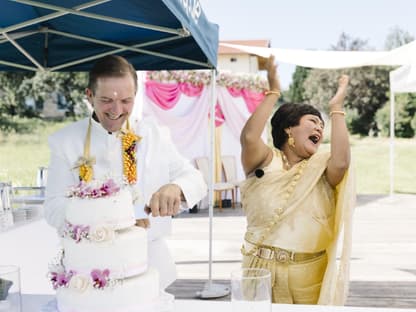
x=219, y=115
x=251, y=98
x=167, y=95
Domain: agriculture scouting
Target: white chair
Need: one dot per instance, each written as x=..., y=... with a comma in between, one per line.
x=230, y=172
x=202, y=163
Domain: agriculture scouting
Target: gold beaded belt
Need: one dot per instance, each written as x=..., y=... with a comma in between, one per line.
x=278, y=254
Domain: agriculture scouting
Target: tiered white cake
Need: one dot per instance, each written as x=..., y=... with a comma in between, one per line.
x=103, y=266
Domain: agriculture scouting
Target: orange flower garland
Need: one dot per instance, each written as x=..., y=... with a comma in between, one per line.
x=129, y=142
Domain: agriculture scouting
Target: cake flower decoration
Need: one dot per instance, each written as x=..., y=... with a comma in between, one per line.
x=61, y=279
x=94, y=190
x=101, y=233
x=100, y=278
x=79, y=283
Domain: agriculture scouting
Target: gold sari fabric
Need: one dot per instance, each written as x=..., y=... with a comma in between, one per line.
x=313, y=217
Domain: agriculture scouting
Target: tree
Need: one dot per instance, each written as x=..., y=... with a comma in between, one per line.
x=346, y=43
x=70, y=84
x=397, y=37
x=296, y=89
x=404, y=119
x=16, y=87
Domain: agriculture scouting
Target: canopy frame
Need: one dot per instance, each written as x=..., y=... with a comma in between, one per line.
x=60, y=11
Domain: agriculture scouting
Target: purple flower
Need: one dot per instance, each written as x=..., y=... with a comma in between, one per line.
x=60, y=279
x=100, y=278
x=109, y=188
x=76, y=232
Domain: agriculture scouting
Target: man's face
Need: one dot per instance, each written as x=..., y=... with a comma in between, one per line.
x=112, y=101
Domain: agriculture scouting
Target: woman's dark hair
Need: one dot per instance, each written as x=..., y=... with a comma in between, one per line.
x=111, y=66
x=288, y=115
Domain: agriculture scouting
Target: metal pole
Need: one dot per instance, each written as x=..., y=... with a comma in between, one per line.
x=212, y=290
x=392, y=134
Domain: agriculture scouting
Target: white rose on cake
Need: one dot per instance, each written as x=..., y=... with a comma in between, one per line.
x=101, y=233
x=79, y=283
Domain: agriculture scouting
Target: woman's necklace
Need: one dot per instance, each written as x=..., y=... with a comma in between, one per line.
x=129, y=142
x=286, y=163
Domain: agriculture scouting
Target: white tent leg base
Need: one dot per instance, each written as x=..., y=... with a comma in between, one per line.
x=213, y=291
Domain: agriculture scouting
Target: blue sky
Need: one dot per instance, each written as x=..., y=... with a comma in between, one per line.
x=310, y=24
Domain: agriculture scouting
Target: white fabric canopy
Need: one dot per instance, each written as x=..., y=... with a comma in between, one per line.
x=403, y=79
x=403, y=55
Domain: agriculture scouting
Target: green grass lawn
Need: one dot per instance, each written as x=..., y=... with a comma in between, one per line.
x=21, y=155
x=372, y=162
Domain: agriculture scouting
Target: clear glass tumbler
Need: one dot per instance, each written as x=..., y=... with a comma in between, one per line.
x=10, y=297
x=251, y=290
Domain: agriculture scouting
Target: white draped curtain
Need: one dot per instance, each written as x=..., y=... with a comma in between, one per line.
x=183, y=106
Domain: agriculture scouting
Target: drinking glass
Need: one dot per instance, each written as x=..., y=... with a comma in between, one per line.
x=251, y=290
x=10, y=297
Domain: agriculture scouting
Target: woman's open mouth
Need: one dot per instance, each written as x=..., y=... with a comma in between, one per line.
x=314, y=138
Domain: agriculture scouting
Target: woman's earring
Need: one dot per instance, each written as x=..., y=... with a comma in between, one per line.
x=291, y=140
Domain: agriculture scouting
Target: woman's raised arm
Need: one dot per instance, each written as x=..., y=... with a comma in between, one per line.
x=254, y=152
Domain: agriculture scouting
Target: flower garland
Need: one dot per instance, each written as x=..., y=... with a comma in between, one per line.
x=129, y=144
x=224, y=79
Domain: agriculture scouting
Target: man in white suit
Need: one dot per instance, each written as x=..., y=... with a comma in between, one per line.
x=164, y=178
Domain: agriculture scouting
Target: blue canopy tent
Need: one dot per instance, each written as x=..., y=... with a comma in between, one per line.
x=69, y=35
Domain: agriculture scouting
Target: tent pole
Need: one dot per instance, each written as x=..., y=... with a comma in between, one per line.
x=212, y=290
x=392, y=135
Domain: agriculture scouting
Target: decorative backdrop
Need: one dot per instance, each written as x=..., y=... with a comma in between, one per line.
x=181, y=101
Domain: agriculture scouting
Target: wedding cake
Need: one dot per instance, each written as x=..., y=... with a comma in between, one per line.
x=103, y=263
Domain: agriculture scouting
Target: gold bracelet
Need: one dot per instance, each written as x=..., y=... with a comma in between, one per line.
x=337, y=112
x=277, y=92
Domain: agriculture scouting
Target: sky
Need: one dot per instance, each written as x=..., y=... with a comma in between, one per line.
x=310, y=24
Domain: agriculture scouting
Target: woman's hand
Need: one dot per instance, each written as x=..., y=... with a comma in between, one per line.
x=337, y=102
x=272, y=76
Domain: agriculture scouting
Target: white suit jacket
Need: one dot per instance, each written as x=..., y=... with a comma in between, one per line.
x=158, y=163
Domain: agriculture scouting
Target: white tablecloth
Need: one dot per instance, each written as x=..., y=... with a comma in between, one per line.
x=34, y=303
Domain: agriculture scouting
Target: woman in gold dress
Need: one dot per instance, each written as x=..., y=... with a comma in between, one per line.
x=298, y=202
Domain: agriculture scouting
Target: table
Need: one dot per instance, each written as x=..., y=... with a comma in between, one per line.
x=34, y=303
x=34, y=195
x=29, y=200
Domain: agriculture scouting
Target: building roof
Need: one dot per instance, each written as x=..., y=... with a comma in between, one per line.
x=263, y=43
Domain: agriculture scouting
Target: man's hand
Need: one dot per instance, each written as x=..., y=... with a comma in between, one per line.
x=166, y=201
x=144, y=223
